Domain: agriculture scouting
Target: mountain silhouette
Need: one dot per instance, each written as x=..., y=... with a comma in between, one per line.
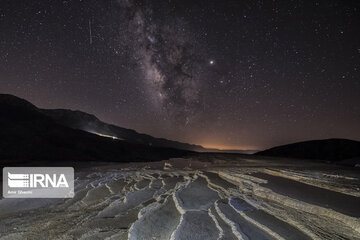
x=32, y=134
x=335, y=149
x=90, y=123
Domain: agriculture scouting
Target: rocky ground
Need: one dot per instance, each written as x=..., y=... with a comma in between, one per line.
x=222, y=197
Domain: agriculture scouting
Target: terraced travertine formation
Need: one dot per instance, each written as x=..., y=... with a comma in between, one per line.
x=190, y=199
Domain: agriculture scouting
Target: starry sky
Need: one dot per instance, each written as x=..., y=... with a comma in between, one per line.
x=231, y=74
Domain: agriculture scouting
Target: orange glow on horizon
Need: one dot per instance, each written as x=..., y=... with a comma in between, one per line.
x=228, y=147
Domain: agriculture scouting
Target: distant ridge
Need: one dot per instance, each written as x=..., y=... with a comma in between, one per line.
x=335, y=149
x=90, y=123
x=27, y=134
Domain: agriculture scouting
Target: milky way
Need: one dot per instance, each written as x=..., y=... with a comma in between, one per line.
x=170, y=65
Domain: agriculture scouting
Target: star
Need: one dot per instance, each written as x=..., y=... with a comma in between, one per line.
x=212, y=62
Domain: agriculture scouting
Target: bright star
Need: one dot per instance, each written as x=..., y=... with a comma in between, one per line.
x=211, y=62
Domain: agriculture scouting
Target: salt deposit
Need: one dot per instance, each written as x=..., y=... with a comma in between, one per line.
x=220, y=199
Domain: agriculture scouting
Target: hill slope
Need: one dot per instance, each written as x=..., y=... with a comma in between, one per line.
x=328, y=149
x=90, y=123
x=27, y=134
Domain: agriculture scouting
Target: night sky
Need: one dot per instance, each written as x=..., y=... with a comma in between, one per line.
x=227, y=74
